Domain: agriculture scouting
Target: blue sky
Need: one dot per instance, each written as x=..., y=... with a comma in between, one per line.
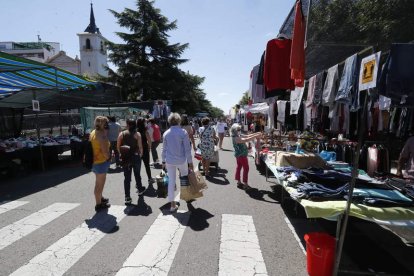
x=226, y=37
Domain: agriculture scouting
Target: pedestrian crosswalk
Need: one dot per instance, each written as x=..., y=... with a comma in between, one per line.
x=238, y=253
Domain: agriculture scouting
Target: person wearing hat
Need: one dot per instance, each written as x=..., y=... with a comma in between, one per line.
x=241, y=152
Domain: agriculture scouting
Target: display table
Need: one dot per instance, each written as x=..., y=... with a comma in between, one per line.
x=332, y=210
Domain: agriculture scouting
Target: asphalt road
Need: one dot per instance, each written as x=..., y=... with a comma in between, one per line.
x=129, y=236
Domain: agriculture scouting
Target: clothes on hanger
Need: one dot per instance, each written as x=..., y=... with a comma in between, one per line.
x=296, y=100
x=257, y=90
x=396, y=80
x=297, y=55
x=276, y=65
x=330, y=86
x=347, y=83
x=318, y=88
x=260, y=73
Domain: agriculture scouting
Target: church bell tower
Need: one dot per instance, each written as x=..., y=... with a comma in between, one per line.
x=93, y=50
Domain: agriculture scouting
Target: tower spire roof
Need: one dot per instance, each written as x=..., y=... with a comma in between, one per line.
x=92, y=28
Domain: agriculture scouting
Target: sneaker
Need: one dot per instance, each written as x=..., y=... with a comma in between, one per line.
x=246, y=187
x=141, y=190
x=151, y=180
x=128, y=200
x=102, y=206
x=104, y=200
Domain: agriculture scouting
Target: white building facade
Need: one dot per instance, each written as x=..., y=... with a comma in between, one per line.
x=93, y=52
x=37, y=51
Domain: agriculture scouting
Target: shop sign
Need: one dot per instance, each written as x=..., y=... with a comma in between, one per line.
x=369, y=71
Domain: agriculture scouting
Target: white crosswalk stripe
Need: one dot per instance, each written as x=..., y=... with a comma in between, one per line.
x=19, y=229
x=64, y=253
x=240, y=252
x=155, y=253
x=11, y=205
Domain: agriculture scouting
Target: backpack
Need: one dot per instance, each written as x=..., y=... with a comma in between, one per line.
x=88, y=155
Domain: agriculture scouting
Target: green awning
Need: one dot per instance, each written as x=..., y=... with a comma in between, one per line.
x=18, y=73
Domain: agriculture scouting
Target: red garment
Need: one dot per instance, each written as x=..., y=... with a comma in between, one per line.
x=157, y=133
x=297, y=55
x=276, y=67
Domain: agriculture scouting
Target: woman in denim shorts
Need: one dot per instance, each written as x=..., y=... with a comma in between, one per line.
x=101, y=159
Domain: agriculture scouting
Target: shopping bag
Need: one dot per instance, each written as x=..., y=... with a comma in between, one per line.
x=162, y=184
x=186, y=194
x=197, y=182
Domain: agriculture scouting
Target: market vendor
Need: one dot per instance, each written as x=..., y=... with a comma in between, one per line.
x=406, y=160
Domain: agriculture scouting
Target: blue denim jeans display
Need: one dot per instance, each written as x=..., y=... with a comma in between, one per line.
x=316, y=191
x=347, y=85
x=136, y=167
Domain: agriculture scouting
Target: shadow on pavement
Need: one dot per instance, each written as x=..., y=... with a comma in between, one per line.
x=103, y=222
x=221, y=171
x=218, y=179
x=20, y=187
x=141, y=209
x=198, y=219
x=165, y=209
x=259, y=195
x=150, y=191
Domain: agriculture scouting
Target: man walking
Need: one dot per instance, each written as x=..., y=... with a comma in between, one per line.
x=113, y=133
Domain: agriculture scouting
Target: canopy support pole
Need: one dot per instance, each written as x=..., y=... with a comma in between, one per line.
x=42, y=161
x=345, y=216
x=57, y=91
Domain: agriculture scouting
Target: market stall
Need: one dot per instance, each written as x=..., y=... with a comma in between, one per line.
x=26, y=84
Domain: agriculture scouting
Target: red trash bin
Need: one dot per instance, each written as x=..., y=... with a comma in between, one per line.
x=320, y=252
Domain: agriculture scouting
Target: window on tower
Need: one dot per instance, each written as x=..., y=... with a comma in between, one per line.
x=88, y=44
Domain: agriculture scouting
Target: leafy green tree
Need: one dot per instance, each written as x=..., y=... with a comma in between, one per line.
x=245, y=99
x=368, y=22
x=148, y=65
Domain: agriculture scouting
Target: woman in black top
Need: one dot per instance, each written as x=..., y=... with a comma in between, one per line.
x=146, y=145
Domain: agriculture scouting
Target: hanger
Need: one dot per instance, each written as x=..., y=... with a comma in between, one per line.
x=282, y=36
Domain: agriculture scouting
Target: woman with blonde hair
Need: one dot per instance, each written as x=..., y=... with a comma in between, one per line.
x=101, y=159
x=176, y=154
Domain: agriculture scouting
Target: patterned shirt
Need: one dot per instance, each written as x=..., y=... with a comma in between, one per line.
x=239, y=149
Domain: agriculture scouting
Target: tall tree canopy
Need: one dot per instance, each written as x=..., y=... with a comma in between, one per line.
x=148, y=65
x=370, y=22
x=245, y=99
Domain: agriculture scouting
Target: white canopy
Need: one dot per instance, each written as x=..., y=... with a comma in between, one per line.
x=262, y=108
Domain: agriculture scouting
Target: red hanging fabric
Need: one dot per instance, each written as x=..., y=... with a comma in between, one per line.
x=276, y=67
x=297, y=54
